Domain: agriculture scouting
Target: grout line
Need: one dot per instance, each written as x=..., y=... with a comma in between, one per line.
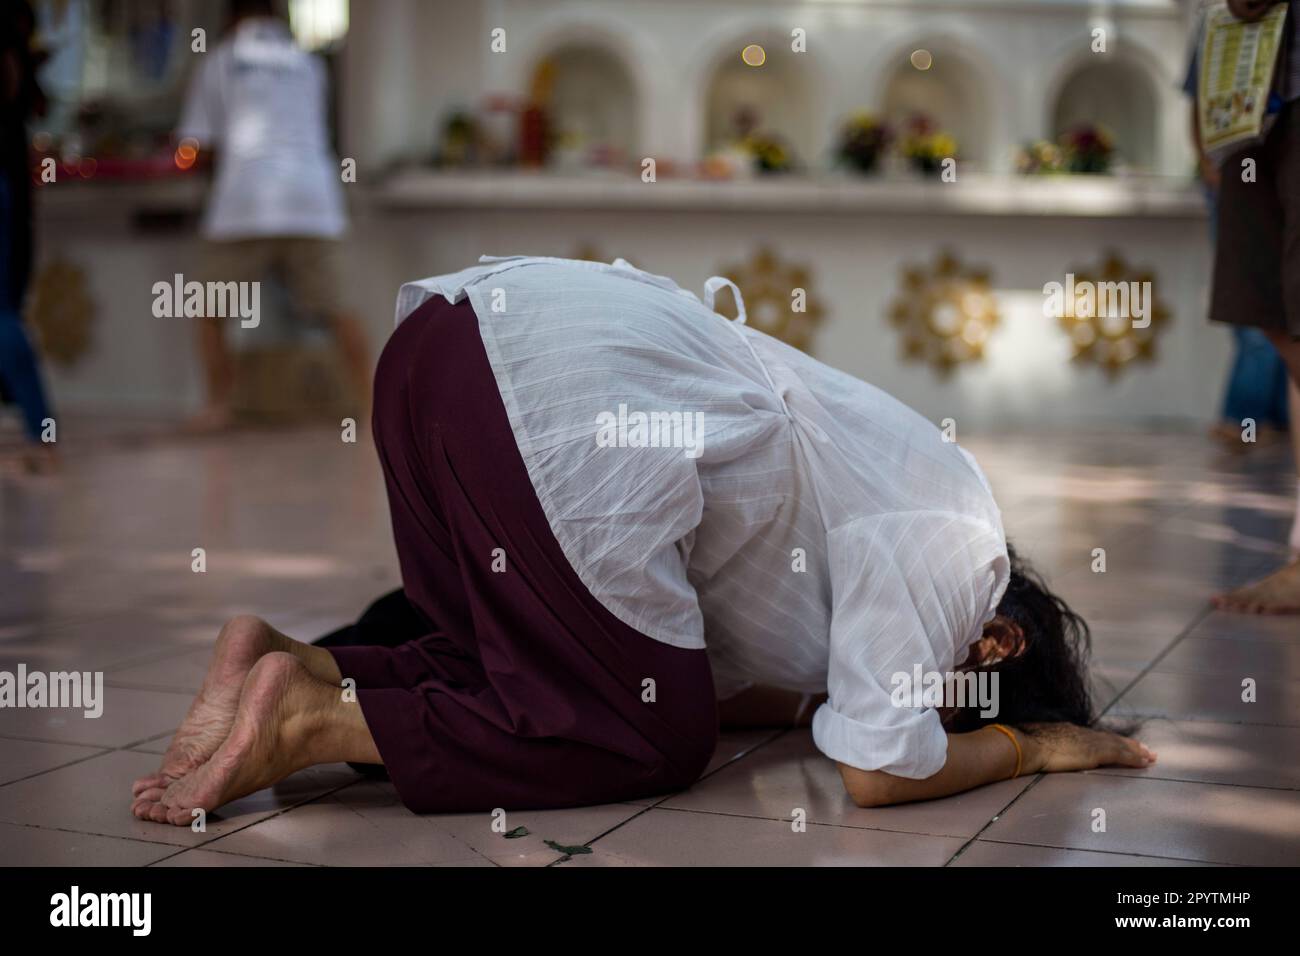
x=61, y=766
x=204, y=844
x=81, y=743
x=1193, y=719
x=246, y=856
x=107, y=836
x=1113, y=772
x=1145, y=856
x=1187, y=629
x=817, y=823
x=270, y=816
x=658, y=804
x=994, y=819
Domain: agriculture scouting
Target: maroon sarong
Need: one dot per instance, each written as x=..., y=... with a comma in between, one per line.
x=527, y=693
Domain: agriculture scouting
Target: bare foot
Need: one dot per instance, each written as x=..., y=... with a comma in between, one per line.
x=276, y=721
x=241, y=642
x=42, y=459
x=33, y=459
x=1279, y=593
x=1228, y=435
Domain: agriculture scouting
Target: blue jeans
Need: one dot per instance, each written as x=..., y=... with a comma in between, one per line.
x=1257, y=385
x=18, y=371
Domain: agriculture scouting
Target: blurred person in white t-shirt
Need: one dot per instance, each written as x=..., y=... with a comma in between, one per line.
x=258, y=102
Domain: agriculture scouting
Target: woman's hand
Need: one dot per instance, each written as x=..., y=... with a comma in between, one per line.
x=1053, y=748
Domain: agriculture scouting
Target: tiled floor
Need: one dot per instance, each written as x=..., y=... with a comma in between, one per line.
x=95, y=574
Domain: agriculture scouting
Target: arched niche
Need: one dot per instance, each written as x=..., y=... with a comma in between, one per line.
x=781, y=95
x=952, y=91
x=594, y=102
x=1118, y=94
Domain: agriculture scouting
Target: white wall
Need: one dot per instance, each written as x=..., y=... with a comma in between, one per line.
x=410, y=60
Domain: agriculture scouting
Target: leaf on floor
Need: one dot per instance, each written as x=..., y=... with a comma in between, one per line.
x=567, y=850
x=516, y=833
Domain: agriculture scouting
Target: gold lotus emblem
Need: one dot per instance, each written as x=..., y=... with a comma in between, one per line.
x=61, y=312
x=778, y=298
x=1112, y=315
x=946, y=313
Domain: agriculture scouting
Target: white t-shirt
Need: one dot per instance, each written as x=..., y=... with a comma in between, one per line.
x=816, y=534
x=261, y=101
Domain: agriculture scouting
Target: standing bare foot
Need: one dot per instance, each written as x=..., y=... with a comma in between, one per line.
x=1279, y=593
x=241, y=642
x=32, y=459
x=281, y=727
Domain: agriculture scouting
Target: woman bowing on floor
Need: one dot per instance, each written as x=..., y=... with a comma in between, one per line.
x=613, y=508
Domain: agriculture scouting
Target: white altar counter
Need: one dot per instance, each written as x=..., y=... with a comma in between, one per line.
x=854, y=237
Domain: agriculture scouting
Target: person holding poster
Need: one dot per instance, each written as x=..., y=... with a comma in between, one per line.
x=1250, y=120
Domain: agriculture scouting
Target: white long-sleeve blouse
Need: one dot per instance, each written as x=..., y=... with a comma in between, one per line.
x=805, y=528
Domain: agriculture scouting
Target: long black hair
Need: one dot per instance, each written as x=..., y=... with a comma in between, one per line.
x=1045, y=680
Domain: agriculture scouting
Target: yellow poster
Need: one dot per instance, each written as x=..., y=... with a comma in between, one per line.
x=1237, y=63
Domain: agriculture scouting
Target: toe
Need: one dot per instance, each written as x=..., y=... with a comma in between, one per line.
x=141, y=808
x=180, y=816
x=147, y=783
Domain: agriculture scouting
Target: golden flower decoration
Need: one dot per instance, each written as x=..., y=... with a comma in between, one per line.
x=1112, y=315
x=61, y=312
x=778, y=298
x=946, y=313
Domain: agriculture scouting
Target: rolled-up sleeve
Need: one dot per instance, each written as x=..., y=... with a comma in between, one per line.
x=909, y=590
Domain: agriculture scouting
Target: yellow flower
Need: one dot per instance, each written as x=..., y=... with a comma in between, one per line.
x=943, y=145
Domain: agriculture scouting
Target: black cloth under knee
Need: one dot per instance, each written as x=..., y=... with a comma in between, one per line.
x=389, y=621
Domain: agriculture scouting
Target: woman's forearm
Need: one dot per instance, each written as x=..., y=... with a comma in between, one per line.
x=974, y=759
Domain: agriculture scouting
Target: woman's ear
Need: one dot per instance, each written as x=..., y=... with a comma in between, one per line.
x=1002, y=638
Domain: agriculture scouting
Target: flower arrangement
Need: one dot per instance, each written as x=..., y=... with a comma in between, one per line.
x=769, y=152
x=1088, y=148
x=863, y=140
x=1040, y=158
x=1083, y=149
x=926, y=147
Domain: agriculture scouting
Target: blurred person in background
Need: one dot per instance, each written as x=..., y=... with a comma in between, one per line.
x=277, y=199
x=1257, y=380
x=1257, y=271
x=20, y=98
